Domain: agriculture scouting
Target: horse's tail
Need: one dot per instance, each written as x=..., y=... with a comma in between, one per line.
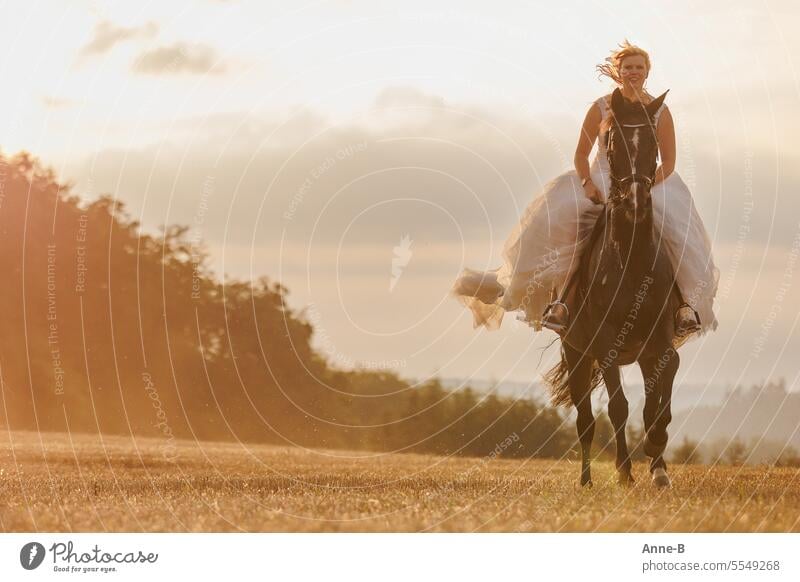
x=557, y=380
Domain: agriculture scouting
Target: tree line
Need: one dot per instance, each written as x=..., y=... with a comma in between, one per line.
x=109, y=329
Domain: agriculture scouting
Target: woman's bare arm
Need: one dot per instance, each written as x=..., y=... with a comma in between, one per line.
x=586, y=139
x=666, y=145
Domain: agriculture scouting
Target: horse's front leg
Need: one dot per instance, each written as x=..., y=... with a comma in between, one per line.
x=579, y=379
x=659, y=373
x=618, y=414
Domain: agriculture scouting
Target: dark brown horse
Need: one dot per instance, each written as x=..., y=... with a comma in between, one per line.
x=626, y=289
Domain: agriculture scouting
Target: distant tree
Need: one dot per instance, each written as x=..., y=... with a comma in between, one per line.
x=688, y=453
x=788, y=458
x=736, y=453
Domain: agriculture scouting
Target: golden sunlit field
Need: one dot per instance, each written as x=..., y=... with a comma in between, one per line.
x=65, y=482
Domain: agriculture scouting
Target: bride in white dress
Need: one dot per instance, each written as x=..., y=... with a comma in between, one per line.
x=543, y=250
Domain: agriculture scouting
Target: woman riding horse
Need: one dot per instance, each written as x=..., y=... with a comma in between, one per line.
x=544, y=250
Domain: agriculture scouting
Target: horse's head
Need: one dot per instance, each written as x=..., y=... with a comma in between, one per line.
x=632, y=155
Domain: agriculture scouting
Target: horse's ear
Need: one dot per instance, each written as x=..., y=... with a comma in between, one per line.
x=656, y=103
x=617, y=103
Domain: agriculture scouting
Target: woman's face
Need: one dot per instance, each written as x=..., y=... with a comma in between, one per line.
x=633, y=71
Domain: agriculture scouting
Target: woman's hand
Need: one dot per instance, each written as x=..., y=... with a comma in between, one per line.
x=593, y=193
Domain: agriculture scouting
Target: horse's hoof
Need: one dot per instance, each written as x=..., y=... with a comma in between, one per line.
x=588, y=484
x=625, y=479
x=660, y=478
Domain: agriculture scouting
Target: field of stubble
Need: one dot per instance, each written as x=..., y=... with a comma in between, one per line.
x=79, y=483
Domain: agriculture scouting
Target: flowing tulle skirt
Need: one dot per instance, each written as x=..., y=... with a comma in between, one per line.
x=545, y=247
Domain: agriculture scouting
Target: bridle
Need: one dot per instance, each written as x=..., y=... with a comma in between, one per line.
x=618, y=183
x=616, y=198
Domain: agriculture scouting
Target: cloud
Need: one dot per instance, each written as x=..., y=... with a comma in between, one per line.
x=197, y=59
x=449, y=172
x=55, y=102
x=407, y=97
x=107, y=35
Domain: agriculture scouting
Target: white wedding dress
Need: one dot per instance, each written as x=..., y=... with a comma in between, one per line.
x=546, y=245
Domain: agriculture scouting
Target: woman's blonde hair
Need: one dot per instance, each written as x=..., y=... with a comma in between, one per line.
x=611, y=67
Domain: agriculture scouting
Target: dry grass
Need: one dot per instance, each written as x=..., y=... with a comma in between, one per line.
x=67, y=482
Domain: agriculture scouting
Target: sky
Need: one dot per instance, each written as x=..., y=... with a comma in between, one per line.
x=362, y=153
